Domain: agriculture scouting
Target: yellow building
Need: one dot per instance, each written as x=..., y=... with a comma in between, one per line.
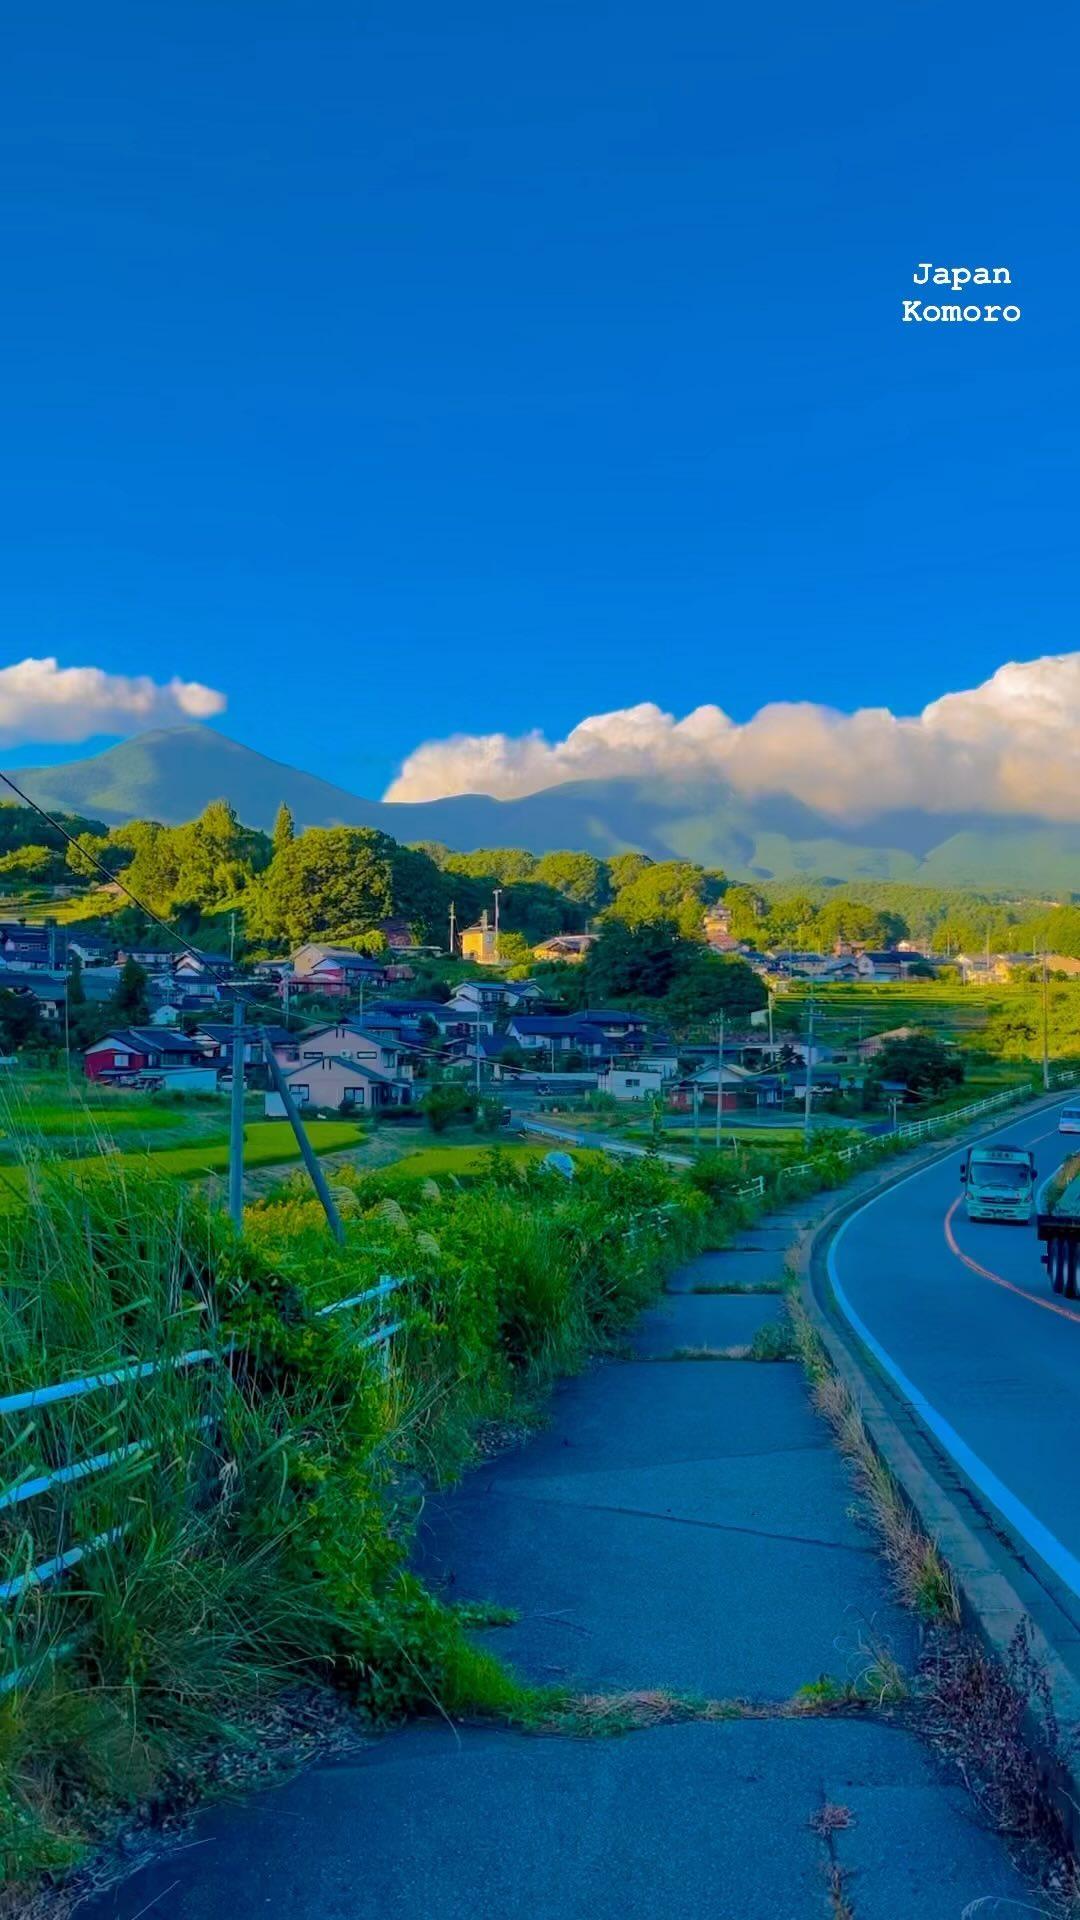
x=478, y=943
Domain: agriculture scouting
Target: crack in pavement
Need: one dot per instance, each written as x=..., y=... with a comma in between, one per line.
x=683, y=1520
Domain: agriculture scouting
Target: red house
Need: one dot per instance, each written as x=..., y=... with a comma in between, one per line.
x=130, y=1051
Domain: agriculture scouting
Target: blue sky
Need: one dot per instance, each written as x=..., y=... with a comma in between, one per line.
x=401, y=370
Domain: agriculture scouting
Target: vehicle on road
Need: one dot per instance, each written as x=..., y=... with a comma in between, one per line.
x=999, y=1183
x=1069, y=1121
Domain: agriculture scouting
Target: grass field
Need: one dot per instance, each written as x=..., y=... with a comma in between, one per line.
x=851, y=1009
x=469, y=1158
x=267, y=1143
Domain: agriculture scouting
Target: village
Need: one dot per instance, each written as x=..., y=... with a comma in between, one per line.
x=370, y=1033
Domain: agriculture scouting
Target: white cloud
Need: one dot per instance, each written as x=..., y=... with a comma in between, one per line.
x=1011, y=745
x=41, y=700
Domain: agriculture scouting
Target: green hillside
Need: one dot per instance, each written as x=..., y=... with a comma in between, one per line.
x=170, y=776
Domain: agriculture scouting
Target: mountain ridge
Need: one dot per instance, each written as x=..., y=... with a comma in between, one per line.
x=171, y=774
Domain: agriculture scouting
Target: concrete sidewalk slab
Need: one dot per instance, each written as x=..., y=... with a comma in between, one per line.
x=688, y=1320
x=636, y=1413
x=793, y=1495
x=734, y=1267
x=613, y=1598
x=437, y=1824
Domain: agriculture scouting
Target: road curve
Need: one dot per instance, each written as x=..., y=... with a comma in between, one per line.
x=961, y=1316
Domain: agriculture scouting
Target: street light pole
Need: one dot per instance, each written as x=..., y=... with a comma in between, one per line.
x=809, y=1083
x=1045, y=1027
x=236, y=1119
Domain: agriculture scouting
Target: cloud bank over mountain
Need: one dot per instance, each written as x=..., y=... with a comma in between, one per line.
x=1011, y=746
x=41, y=700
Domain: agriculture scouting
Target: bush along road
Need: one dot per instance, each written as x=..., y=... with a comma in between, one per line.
x=693, y=1655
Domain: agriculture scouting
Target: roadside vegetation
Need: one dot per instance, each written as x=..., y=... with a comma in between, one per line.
x=254, y=1516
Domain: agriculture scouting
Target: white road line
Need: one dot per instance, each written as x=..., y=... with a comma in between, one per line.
x=1024, y=1522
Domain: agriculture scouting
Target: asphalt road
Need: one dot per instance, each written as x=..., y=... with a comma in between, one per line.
x=961, y=1315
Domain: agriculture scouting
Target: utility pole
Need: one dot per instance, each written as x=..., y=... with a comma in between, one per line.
x=453, y=934
x=498, y=890
x=1045, y=1026
x=695, y=1095
x=232, y=935
x=318, y=1178
x=477, y=1050
x=809, y=1086
x=719, y=1081
x=236, y=1118
x=770, y=1020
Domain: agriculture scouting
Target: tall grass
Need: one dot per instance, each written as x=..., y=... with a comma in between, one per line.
x=255, y=1518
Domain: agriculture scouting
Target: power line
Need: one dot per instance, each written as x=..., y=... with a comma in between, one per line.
x=112, y=878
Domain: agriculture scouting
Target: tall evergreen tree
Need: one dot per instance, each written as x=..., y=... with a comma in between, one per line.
x=284, y=828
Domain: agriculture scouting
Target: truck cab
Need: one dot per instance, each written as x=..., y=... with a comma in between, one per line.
x=999, y=1183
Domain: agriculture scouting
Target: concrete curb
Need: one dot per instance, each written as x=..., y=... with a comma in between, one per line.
x=1004, y=1590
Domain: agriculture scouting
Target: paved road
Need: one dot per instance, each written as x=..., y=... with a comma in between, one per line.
x=962, y=1316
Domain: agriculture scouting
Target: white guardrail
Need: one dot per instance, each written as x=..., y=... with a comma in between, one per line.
x=30, y=1486
x=940, y=1122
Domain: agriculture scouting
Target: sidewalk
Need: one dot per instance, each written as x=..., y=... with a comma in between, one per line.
x=682, y=1527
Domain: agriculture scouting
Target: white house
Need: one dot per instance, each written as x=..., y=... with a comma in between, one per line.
x=335, y=1081
x=632, y=1083
x=350, y=1041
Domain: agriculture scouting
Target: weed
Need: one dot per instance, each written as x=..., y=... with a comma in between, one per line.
x=478, y=1613
x=775, y=1340
x=920, y=1575
x=256, y=1514
x=830, y=1818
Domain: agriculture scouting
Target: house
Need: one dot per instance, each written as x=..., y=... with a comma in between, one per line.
x=894, y=963
x=490, y=1046
x=150, y=959
x=570, y=948
x=479, y=942
x=49, y=992
x=217, y=1039
x=655, y=1060
x=496, y=996
x=489, y=996
x=697, y=1092
x=552, y=1034
x=625, y=1032
x=632, y=1082
x=716, y=926
x=338, y=1080
x=869, y=1048
x=334, y=971
x=130, y=1051
x=351, y=1040
x=191, y=965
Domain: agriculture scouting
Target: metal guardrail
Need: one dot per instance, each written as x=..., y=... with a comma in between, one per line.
x=31, y=1487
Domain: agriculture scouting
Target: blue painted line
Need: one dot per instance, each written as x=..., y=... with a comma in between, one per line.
x=1020, y=1518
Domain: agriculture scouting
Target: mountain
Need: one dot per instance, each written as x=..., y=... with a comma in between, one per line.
x=170, y=776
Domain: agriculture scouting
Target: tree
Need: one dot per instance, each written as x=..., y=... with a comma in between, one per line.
x=20, y=1022
x=76, y=992
x=668, y=890
x=921, y=1062
x=446, y=1102
x=577, y=876
x=40, y=863
x=851, y=921
x=627, y=961
x=131, y=1003
x=710, y=985
x=284, y=832
x=625, y=867
x=340, y=882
